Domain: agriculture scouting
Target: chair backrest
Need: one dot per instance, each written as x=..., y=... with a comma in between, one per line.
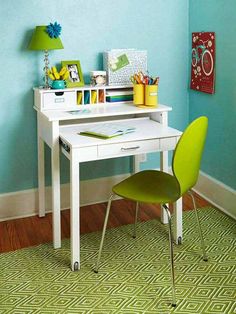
x=188, y=153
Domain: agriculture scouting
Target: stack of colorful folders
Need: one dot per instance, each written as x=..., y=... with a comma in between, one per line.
x=119, y=95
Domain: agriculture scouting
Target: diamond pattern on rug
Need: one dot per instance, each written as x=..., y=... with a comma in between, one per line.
x=134, y=276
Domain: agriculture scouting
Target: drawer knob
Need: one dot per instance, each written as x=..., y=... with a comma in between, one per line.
x=129, y=148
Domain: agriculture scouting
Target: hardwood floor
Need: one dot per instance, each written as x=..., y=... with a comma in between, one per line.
x=26, y=232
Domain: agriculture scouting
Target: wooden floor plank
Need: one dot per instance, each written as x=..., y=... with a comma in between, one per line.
x=26, y=232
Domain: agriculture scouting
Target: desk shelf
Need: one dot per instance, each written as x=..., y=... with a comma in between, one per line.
x=101, y=111
x=72, y=98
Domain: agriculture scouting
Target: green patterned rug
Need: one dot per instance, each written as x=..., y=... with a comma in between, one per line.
x=134, y=276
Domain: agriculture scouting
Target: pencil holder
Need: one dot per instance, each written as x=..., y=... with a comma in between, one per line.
x=138, y=94
x=151, y=98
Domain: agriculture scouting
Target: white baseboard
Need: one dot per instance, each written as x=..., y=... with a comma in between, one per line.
x=217, y=193
x=25, y=203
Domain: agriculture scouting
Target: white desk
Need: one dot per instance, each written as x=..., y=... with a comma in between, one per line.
x=49, y=122
x=149, y=136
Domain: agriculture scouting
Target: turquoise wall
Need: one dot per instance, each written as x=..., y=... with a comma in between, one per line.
x=89, y=28
x=219, y=159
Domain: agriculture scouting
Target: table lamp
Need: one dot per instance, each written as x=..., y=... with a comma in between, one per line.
x=46, y=38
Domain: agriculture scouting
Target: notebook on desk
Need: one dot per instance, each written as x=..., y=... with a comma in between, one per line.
x=107, y=130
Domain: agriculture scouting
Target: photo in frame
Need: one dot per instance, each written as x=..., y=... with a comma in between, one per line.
x=75, y=73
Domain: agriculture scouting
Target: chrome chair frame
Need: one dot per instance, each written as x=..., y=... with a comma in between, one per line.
x=171, y=250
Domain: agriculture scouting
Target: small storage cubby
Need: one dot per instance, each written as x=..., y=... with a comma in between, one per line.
x=71, y=98
x=114, y=95
x=101, y=96
x=91, y=96
x=80, y=97
x=86, y=97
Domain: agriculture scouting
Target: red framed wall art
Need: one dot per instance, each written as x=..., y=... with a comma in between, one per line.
x=203, y=62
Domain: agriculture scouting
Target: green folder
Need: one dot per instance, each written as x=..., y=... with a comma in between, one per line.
x=107, y=131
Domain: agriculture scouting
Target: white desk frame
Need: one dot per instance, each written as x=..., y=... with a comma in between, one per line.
x=49, y=122
x=149, y=136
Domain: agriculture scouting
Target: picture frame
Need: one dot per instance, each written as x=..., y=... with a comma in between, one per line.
x=75, y=73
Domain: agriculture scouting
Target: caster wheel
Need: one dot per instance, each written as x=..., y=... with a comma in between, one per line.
x=76, y=266
x=179, y=241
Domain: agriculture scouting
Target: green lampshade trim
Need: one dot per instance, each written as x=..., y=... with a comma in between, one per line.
x=42, y=41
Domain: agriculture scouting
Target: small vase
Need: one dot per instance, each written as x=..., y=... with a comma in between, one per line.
x=58, y=84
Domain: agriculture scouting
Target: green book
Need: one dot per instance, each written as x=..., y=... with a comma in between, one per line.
x=107, y=130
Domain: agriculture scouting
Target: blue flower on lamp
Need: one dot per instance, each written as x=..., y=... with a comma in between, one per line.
x=53, y=30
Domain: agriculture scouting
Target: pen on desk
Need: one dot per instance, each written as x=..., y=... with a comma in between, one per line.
x=141, y=76
x=137, y=78
x=132, y=79
x=155, y=81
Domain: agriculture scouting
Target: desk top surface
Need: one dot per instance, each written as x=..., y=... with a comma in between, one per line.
x=145, y=128
x=101, y=110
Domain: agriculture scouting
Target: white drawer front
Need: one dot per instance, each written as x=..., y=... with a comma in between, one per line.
x=168, y=143
x=128, y=148
x=59, y=100
x=87, y=153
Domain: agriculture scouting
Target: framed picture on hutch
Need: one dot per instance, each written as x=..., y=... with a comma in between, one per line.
x=75, y=73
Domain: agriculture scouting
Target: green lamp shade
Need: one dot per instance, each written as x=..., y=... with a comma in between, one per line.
x=42, y=41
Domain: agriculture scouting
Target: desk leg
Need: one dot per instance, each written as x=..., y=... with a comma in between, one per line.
x=41, y=169
x=163, y=119
x=56, y=209
x=136, y=163
x=41, y=177
x=177, y=206
x=178, y=229
x=164, y=167
x=74, y=212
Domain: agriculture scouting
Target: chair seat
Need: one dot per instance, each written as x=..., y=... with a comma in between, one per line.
x=149, y=186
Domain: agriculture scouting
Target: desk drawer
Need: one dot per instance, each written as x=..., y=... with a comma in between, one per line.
x=168, y=143
x=59, y=100
x=128, y=148
x=87, y=153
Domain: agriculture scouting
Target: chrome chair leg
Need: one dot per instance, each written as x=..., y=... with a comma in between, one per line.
x=171, y=255
x=103, y=232
x=199, y=228
x=135, y=220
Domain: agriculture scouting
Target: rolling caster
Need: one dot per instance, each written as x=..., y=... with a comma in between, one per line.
x=179, y=241
x=76, y=266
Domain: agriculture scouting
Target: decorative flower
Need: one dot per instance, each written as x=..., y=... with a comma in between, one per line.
x=53, y=30
x=209, y=43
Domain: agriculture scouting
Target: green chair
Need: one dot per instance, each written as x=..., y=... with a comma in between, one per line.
x=152, y=186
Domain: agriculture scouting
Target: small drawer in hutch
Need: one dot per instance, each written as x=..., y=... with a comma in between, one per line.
x=58, y=100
